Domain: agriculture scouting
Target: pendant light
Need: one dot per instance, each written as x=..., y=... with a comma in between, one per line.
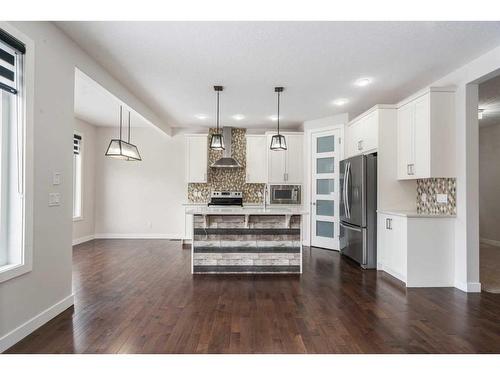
x=217, y=140
x=278, y=142
x=119, y=149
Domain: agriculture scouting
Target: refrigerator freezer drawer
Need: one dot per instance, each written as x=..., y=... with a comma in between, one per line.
x=353, y=242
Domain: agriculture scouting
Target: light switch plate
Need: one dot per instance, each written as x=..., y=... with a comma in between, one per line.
x=56, y=178
x=54, y=199
x=442, y=198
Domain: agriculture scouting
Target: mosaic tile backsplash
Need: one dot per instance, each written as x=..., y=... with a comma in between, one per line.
x=227, y=178
x=428, y=188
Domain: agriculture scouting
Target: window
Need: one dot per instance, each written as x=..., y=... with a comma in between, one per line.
x=14, y=260
x=77, y=176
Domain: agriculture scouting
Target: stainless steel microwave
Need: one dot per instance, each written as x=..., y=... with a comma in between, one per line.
x=284, y=194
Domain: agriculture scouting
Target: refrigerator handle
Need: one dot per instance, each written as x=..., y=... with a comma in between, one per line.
x=344, y=188
x=348, y=207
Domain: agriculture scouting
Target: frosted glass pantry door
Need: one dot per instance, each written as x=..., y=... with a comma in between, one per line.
x=325, y=148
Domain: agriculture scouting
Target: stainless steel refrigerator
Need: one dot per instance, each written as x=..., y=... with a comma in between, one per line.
x=358, y=209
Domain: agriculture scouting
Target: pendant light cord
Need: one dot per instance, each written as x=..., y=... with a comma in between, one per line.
x=128, y=126
x=120, y=123
x=278, y=112
x=217, y=112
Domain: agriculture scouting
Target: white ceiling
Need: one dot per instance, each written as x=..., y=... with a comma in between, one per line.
x=95, y=105
x=172, y=66
x=489, y=101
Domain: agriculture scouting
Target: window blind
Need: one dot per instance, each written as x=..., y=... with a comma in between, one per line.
x=77, y=143
x=11, y=51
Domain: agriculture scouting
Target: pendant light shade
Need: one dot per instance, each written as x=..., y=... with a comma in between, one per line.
x=217, y=140
x=278, y=141
x=119, y=149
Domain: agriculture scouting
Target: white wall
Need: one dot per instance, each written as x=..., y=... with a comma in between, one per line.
x=30, y=300
x=489, y=183
x=141, y=199
x=465, y=79
x=84, y=228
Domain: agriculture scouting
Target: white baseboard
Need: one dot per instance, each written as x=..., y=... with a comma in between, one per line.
x=164, y=236
x=490, y=242
x=37, y=321
x=78, y=241
x=468, y=287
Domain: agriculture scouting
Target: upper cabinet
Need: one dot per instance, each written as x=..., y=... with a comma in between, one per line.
x=196, y=157
x=362, y=133
x=426, y=135
x=286, y=167
x=256, y=158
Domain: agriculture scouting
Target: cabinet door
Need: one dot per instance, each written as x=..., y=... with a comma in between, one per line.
x=256, y=158
x=382, y=242
x=354, y=138
x=294, y=159
x=196, y=158
x=369, y=136
x=422, y=141
x=405, y=141
x=276, y=164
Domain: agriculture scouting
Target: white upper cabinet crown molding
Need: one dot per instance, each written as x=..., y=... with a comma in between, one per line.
x=427, y=90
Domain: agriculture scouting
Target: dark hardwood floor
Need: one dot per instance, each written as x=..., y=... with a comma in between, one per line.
x=138, y=296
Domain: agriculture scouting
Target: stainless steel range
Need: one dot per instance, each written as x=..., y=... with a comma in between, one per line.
x=226, y=198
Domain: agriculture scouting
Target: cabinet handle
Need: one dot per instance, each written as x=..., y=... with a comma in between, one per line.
x=388, y=224
x=361, y=145
x=410, y=170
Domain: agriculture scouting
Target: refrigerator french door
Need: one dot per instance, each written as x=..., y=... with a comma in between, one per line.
x=358, y=205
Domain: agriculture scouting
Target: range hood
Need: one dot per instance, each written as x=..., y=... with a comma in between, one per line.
x=226, y=161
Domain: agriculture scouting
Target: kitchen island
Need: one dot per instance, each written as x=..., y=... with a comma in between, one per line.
x=246, y=240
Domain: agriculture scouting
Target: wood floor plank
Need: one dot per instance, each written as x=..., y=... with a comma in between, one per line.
x=138, y=296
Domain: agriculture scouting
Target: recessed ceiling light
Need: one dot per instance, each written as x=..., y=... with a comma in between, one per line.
x=340, y=102
x=362, y=82
x=238, y=117
x=201, y=117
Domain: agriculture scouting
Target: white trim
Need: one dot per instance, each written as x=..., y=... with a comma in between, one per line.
x=489, y=242
x=78, y=241
x=468, y=287
x=26, y=264
x=34, y=323
x=163, y=236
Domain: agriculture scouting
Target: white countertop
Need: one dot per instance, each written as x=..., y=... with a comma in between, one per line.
x=249, y=210
x=415, y=214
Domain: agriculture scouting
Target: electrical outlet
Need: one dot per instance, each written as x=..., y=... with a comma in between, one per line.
x=442, y=198
x=423, y=197
x=56, y=178
x=54, y=199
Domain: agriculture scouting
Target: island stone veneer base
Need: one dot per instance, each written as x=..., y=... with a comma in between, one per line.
x=230, y=244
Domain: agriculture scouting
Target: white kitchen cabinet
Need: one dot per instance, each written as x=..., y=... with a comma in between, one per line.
x=256, y=159
x=294, y=159
x=391, y=246
x=416, y=249
x=286, y=167
x=196, y=148
x=426, y=140
x=362, y=132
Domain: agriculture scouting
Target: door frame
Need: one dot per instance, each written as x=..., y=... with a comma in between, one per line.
x=307, y=194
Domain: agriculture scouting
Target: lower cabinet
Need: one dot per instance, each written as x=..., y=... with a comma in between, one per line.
x=416, y=249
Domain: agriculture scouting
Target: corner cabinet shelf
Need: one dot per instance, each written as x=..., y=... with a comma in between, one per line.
x=426, y=134
x=196, y=146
